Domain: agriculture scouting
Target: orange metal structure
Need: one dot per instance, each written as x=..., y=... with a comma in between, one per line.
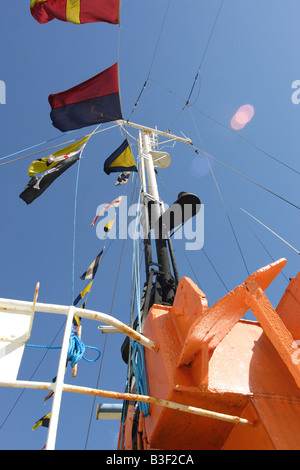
x=213, y=359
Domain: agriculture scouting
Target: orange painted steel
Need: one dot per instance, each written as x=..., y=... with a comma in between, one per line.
x=213, y=359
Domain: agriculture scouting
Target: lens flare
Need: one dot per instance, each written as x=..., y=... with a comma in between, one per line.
x=242, y=117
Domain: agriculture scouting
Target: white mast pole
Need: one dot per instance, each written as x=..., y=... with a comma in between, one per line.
x=142, y=164
x=152, y=184
x=145, y=222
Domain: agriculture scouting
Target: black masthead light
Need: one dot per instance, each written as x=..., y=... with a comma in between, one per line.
x=184, y=208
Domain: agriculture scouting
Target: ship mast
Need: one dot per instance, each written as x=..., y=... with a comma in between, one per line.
x=165, y=286
x=160, y=265
x=162, y=291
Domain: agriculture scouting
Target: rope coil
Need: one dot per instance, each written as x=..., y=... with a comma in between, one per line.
x=76, y=349
x=139, y=368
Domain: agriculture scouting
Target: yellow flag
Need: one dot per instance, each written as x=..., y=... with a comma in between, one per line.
x=82, y=294
x=109, y=225
x=86, y=290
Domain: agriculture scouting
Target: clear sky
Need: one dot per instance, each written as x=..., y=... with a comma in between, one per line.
x=249, y=56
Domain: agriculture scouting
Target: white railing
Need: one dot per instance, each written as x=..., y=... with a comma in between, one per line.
x=9, y=307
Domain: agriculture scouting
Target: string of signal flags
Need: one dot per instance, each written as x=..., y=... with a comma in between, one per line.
x=93, y=102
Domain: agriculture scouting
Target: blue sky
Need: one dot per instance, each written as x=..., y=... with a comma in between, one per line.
x=251, y=58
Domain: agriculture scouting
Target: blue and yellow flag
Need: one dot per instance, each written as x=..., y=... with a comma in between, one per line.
x=82, y=294
x=44, y=421
x=120, y=160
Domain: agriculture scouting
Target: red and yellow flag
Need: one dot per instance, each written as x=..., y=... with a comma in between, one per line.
x=76, y=11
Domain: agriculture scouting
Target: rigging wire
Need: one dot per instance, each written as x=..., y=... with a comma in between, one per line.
x=151, y=64
x=48, y=348
x=136, y=270
x=105, y=341
x=211, y=263
x=190, y=264
x=253, y=144
x=104, y=348
x=33, y=146
x=131, y=321
x=74, y=221
x=228, y=217
x=274, y=233
x=241, y=209
x=187, y=105
x=31, y=377
x=74, y=230
x=217, y=273
x=53, y=138
x=74, y=225
x=50, y=148
x=251, y=229
x=222, y=199
x=198, y=72
x=112, y=304
x=77, y=180
x=136, y=351
x=197, y=150
x=245, y=139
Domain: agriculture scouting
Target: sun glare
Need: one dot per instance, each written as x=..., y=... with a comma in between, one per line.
x=242, y=117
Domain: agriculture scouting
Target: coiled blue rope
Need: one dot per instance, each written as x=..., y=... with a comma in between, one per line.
x=76, y=349
x=139, y=369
